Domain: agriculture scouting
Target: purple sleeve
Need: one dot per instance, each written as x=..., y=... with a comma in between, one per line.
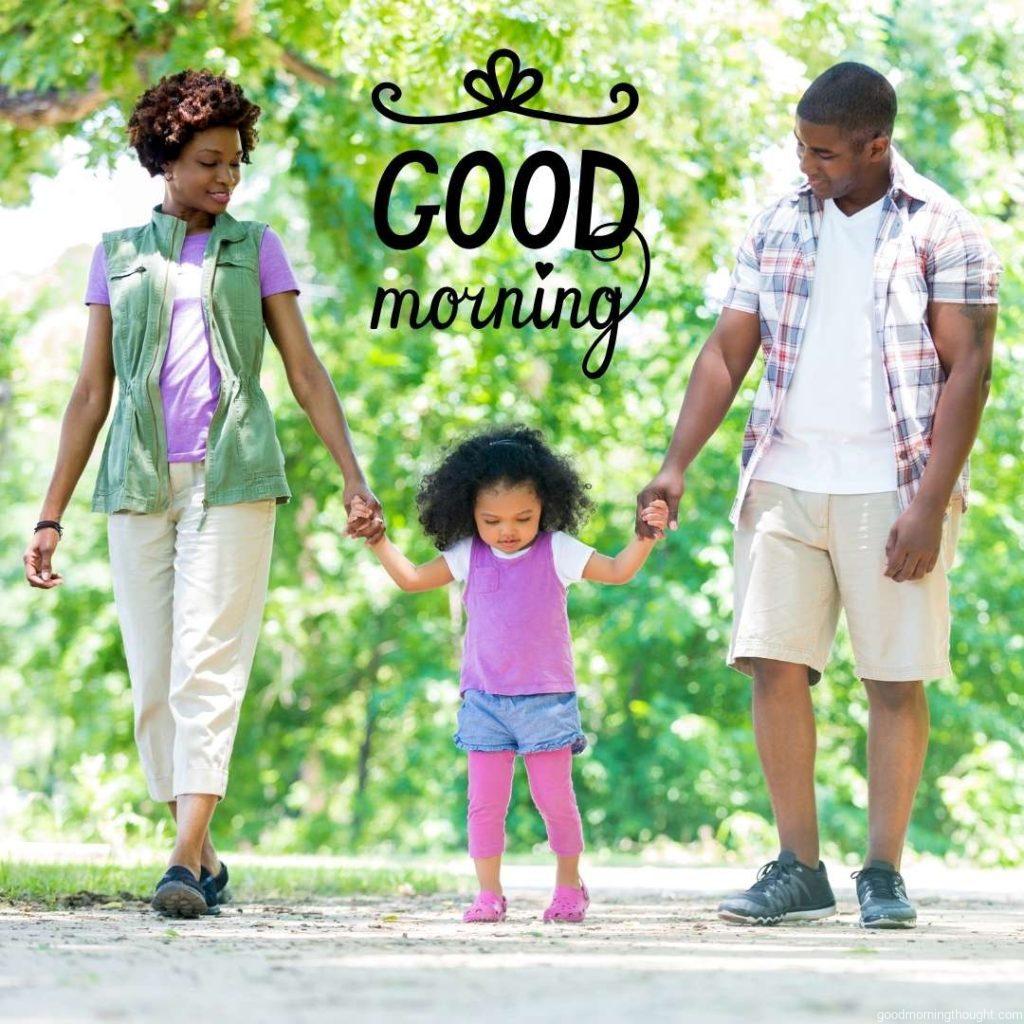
x=275, y=270
x=96, y=289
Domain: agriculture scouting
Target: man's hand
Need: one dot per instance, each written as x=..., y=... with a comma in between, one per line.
x=668, y=487
x=655, y=516
x=913, y=545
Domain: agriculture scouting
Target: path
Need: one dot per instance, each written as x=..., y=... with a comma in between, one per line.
x=651, y=951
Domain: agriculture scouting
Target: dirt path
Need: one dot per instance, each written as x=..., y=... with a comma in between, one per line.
x=651, y=950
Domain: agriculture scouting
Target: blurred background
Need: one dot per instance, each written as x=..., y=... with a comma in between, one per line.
x=345, y=740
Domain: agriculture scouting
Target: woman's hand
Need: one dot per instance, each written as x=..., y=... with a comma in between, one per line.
x=365, y=515
x=38, y=559
x=655, y=516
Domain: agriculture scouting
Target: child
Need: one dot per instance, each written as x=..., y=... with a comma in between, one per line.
x=502, y=508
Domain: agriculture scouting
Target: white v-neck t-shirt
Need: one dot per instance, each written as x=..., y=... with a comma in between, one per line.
x=833, y=435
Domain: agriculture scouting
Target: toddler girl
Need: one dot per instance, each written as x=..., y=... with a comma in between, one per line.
x=502, y=508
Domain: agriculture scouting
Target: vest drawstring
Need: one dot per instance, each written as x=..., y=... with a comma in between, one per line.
x=202, y=518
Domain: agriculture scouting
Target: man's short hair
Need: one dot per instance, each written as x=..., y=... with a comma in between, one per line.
x=857, y=99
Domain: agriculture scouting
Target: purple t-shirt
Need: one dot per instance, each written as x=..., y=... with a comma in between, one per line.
x=189, y=378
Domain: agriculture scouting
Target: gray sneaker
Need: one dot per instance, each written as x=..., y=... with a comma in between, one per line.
x=785, y=890
x=883, y=897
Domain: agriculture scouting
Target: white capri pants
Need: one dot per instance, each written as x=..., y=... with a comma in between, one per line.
x=190, y=601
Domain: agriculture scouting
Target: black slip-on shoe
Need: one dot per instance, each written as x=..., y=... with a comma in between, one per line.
x=208, y=884
x=785, y=890
x=220, y=881
x=883, y=897
x=179, y=894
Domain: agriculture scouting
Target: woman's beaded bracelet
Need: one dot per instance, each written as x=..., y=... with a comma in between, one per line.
x=50, y=524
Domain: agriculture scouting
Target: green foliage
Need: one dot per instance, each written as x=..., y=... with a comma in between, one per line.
x=345, y=735
x=112, y=885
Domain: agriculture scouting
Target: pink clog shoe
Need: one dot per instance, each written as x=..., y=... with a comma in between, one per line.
x=488, y=906
x=568, y=904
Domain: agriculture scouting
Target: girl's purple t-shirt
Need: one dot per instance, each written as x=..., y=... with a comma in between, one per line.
x=189, y=378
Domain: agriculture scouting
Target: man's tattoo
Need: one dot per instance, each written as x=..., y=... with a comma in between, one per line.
x=982, y=316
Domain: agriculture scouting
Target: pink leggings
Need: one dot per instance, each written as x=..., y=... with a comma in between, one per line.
x=490, y=789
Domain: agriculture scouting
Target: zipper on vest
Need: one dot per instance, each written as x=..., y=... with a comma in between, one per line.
x=206, y=289
x=162, y=471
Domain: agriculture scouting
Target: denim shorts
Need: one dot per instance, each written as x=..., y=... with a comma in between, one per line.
x=524, y=724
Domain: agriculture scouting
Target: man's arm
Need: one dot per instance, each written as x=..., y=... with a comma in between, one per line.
x=963, y=335
x=717, y=375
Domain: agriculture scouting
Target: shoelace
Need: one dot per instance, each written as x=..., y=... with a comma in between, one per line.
x=771, y=875
x=887, y=885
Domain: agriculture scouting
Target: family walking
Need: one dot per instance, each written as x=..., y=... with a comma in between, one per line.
x=871, y=295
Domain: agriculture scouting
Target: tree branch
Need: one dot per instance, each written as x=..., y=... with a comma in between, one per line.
x=302, y=68
x=41, y=108
x=47, y=107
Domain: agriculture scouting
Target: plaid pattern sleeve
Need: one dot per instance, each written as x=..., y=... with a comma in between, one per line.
x=746, y=275
x=963, y=267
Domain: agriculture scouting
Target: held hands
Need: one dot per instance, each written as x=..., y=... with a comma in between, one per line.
x=667, y=488
x=365, y=519
x=912, y=548
x=38, y=559
x=655, y=517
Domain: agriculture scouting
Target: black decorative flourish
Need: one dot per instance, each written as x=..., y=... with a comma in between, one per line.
x=485, y=86
x=645, y=251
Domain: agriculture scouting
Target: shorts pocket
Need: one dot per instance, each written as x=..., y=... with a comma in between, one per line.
x=757, y=492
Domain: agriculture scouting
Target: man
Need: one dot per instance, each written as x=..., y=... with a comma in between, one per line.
x=872, y=294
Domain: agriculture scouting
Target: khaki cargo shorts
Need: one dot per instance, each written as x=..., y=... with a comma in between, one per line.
x=800, y=556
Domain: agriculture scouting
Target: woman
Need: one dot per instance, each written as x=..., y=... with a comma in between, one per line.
x=192, y=471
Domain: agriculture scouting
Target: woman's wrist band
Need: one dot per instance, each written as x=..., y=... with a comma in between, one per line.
x=50, y=524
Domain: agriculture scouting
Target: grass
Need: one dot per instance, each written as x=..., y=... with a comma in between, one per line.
x=71, y=885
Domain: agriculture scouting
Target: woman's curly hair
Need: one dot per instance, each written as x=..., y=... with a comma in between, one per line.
x=167, y=115
x=504, y=455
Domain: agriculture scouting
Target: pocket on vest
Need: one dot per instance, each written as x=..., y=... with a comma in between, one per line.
x=255, y=435
x=114, y=461
x=236, y=286
x=128, y=287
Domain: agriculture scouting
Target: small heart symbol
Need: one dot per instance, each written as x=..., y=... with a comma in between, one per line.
x=543, y=269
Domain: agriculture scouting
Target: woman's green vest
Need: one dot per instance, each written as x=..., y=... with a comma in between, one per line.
x=244, y=461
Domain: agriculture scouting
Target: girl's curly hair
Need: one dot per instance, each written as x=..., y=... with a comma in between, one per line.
x=167, y=115
x=505, y=455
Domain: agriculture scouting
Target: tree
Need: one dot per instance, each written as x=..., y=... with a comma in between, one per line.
x=345, y=734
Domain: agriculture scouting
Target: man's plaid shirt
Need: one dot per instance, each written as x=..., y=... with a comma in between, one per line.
x=928, y=248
